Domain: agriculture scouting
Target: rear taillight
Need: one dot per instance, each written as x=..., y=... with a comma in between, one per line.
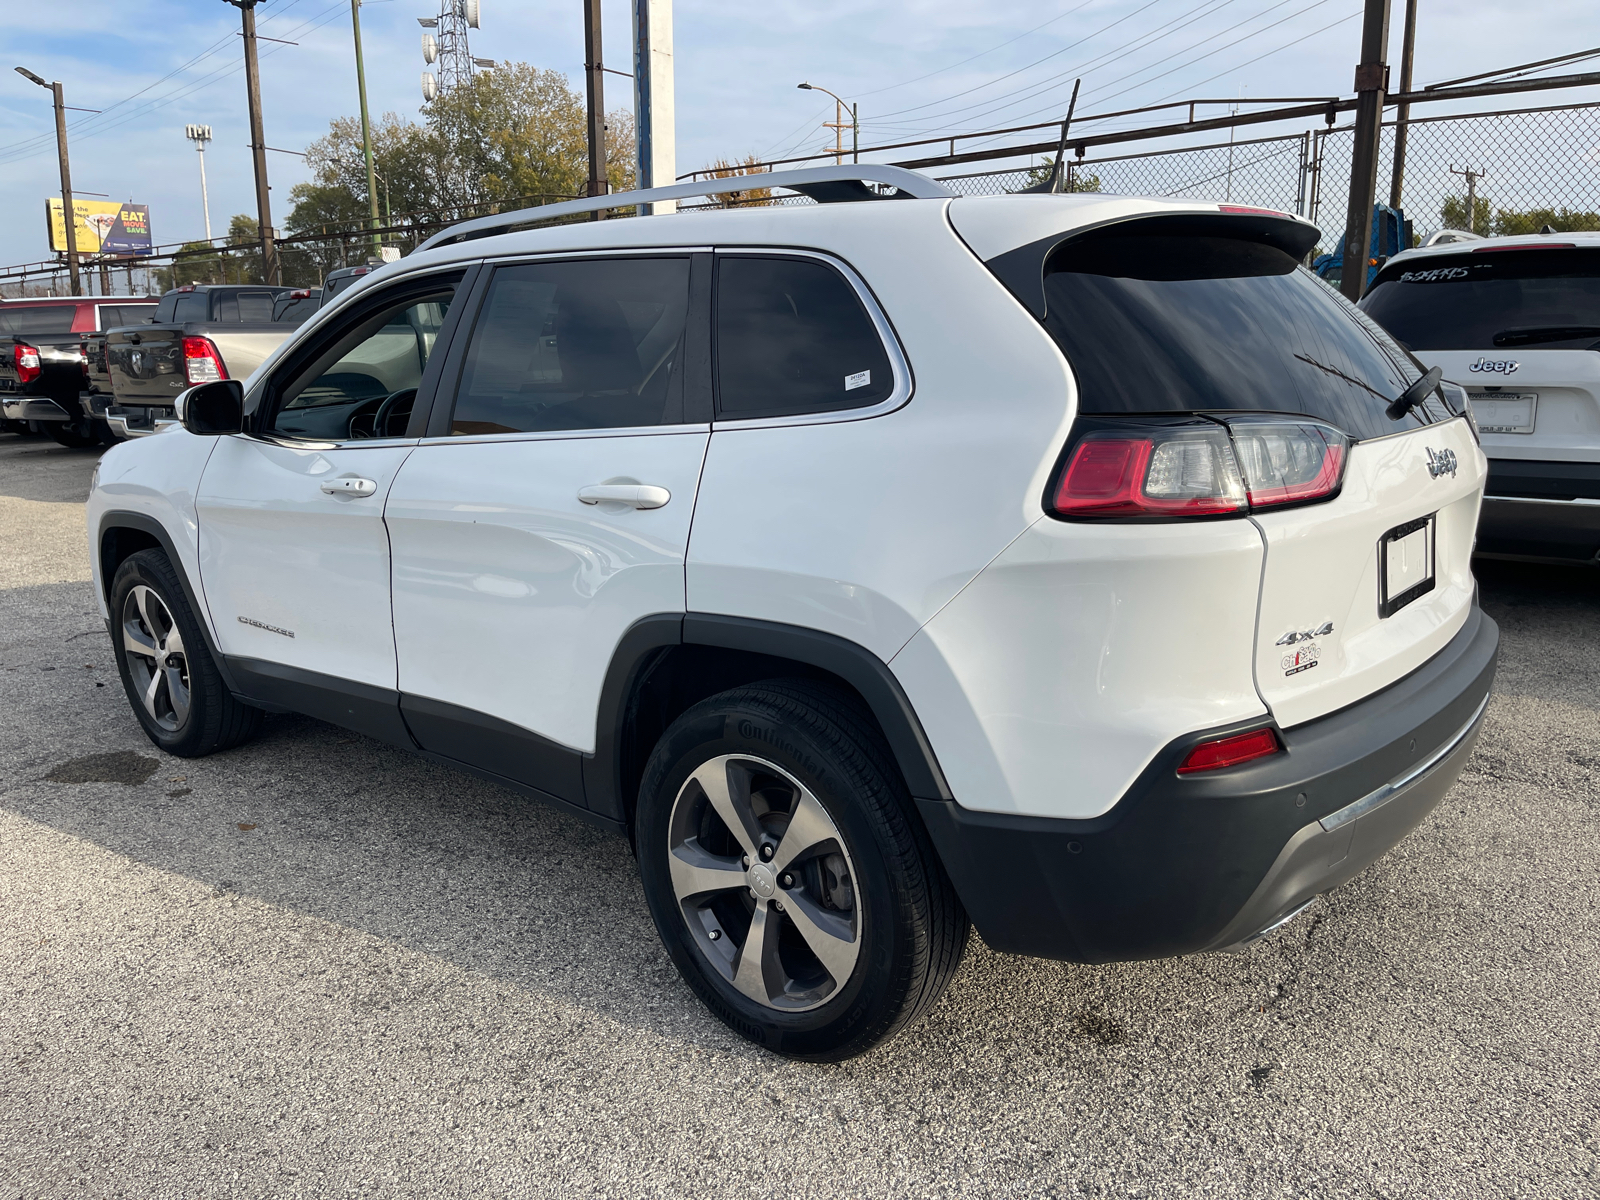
x=1185, y=471
x=1159, y=468
x=26, y=359
x=1230, y=751
x=201, y=362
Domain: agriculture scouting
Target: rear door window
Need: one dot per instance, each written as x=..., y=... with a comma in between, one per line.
x=1495, y=300
x=1153, y=323
x=581, y=344
x=191, y=307
x=792, y=336
x=36, y=318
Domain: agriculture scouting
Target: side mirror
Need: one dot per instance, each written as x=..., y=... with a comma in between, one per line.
x=212, y=409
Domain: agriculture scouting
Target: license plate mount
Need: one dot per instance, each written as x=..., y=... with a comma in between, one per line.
x=1405, y=564
x=1504, y=412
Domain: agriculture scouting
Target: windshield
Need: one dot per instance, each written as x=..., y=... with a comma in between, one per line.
x=36, y=318
x=1163, y=324
x=1466, y=301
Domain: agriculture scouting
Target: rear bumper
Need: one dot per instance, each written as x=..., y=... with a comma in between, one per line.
x=1545, y=529
x=138, y=421
x=34, y=409
x=1206, y=862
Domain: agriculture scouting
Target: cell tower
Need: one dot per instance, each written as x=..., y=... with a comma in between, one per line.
x=445, y=43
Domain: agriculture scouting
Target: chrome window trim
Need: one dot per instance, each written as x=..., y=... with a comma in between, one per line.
x=904, y=381
x=565, y=435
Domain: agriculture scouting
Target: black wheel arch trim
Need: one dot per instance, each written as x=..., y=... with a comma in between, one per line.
x=115, y=519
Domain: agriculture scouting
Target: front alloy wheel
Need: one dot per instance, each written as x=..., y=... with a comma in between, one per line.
x=157, y=661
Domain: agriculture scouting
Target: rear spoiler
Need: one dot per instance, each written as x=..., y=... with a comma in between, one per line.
x=1022, y=270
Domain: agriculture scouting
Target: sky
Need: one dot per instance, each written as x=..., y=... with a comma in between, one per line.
x=915, y=67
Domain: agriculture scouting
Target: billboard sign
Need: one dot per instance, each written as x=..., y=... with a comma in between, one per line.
x=102, y=226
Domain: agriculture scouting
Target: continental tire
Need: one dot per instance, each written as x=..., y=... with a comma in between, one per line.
x=788, y=875
x=167, y=671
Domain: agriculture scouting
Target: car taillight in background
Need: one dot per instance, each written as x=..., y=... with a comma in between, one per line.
x=26, y=359
x=1165, y=469
x=300, y=294
x=1230, y=751
x=201, y=362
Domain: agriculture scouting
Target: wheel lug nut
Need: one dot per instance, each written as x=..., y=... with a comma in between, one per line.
x=786, y=879
x=767, y=851
x=746, y=861
x=778, y=904
x=715, y=935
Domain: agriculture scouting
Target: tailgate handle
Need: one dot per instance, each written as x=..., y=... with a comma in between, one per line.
x=639, y=495
x=134, y=338
x=349, y=486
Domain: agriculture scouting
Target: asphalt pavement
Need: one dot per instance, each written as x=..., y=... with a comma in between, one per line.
x=317, y=966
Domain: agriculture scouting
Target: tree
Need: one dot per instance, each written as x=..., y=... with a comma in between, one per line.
x=1454, y=213
x=1532, y=220
x=723, y=169
x=509, y=137
x=1076, y=180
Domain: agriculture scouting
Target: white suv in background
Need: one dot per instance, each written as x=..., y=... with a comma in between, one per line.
x=1079, y=565
x=1516, y=321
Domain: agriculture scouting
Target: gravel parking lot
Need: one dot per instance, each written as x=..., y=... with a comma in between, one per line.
x=321, y=967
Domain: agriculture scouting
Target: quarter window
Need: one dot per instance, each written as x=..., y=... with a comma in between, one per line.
x=581, y=344
x=191, y=307
x=793, y=337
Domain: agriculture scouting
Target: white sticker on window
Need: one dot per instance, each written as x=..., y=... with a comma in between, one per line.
x=859, y=379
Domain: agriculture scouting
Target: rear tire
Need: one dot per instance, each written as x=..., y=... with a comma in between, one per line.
x=831, y=878
x=75, y=435
x=171, y=680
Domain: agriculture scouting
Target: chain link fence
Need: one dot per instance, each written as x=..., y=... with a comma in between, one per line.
x=1532, y=167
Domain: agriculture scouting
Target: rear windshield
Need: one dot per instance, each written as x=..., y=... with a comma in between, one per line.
x=112, y=315
x=1153, y=323
x=36, y=318
x=292, y=312
x=1548, y=299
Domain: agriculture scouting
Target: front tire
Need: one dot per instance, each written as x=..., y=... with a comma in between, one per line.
x=788, y=876
x=171, y=680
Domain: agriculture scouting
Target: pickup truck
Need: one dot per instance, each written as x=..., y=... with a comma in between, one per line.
x=199, y=333
x=42, y=377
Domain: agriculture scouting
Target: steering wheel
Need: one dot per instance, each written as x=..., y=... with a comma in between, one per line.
x=380, y=418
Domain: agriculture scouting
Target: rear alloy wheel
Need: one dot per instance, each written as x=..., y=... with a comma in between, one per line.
x=167, y=670
x=788, y=875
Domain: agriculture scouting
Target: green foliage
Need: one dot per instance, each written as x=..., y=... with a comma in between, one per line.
x=1532, y=220
x=1454, y=213
x=1077, y=180
x=514, y=136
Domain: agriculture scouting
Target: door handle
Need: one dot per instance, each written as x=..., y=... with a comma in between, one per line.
x=639, y=495
x=349, y=486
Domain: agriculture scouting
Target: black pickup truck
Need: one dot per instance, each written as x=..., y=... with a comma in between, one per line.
x=198, y=333
x=43, y=381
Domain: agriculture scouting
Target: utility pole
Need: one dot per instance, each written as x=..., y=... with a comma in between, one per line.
x=654, y=122
x=855, y=134
x=595, y=73
x=1402, y=114
x=68, y=216
x=366, y=129
x=270, y=269
x=1472, y=178
x=1372, y=83
x=838, y=124
x=200, y=135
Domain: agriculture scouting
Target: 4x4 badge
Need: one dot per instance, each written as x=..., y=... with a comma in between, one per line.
x=1441, y=462
x=1304, y=635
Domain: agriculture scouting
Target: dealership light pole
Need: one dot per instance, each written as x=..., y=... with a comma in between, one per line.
x=366, y=128
x=258, y=143
x=68, y=223
x=200, y=135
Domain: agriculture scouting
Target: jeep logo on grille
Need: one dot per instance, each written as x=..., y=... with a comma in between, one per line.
x=1494, y=366
x=1441, y=462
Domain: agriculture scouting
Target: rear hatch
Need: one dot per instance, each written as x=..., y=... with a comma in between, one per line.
x=1367, y=519
x=1518, y=326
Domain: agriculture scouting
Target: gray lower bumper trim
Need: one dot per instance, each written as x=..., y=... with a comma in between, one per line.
x=34, y=410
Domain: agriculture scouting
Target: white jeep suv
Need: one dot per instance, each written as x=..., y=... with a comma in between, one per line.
x=1516, y=321
x=1077, y=565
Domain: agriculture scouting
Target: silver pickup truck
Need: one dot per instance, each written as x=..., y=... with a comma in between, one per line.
x=199, y=333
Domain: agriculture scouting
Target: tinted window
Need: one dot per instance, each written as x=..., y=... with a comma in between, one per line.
x=113, y=315
x=1156, y=324
x=596, y=344
x=361, y=367
x=167, y=308
x=1468, y=301
x=793, y=337
x=244, y=307
x=190, y=307
x=36, y=318
x=292, y=312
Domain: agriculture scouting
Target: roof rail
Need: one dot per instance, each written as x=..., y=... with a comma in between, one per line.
x=826, y=185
